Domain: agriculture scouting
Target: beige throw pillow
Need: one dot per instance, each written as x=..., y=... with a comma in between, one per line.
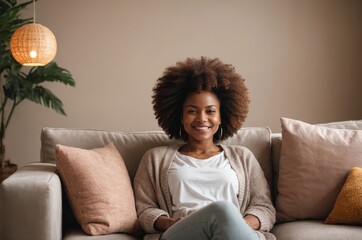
x=314, y=164
x=348, y=207
x=99, y=189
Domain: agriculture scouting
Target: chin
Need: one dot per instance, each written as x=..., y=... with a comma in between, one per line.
x=201, y=138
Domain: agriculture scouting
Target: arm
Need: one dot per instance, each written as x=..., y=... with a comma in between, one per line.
x=31, y=204
x=260, y=204
x=148, y=193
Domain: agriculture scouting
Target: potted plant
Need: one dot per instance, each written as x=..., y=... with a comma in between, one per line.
x=19, y=85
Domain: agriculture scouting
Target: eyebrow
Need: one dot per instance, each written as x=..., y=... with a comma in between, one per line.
x=209, y=106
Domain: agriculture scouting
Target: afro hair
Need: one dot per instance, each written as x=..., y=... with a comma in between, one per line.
x=204, y=74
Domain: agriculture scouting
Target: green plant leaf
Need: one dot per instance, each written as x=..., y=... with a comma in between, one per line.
x=6, y=4
x=10, y=17
x=44, y=96
x=9, y=21
x=16, y=87
x=50, y=73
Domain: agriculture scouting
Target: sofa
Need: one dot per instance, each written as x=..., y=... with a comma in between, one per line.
x=34, y=204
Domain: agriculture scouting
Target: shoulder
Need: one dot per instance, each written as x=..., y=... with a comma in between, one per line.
x=161, y=150
x=239, y=154
x=158, y=155
x=236, y=149
x=157, y=158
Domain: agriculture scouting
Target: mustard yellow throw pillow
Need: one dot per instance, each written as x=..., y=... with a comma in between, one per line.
x=98, y=188
x=348, y=206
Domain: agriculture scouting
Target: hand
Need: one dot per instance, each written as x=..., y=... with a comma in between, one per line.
x=252, y=221
x=162, y=223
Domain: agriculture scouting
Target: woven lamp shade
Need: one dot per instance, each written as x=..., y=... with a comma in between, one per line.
x=33, y=45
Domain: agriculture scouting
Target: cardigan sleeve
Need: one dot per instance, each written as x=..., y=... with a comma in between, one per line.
x=260, y=203
x=146, y=185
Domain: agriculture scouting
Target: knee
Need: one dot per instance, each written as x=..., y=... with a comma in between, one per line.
x=224, y=210
x=223, y=205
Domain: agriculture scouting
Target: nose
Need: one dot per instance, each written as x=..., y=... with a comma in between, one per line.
x=202, y=117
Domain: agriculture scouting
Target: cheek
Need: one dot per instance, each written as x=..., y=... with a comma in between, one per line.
x=217, y=119
x=186, y=119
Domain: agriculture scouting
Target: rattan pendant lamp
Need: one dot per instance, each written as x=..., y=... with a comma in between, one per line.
x=33, y=44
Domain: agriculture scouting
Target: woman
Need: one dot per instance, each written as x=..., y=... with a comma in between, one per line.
x=202, y=189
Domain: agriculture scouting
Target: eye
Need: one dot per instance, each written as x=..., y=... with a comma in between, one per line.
x=191, y=111
x=211, y=111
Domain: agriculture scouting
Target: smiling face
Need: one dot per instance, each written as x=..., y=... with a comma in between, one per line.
x=201, y=116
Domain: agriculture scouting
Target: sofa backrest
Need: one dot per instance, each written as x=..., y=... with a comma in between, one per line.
x=133, y=145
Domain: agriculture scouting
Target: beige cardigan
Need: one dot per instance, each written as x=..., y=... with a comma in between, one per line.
x=153, y=196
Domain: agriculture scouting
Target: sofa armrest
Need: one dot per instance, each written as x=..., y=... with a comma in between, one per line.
x=31, y=204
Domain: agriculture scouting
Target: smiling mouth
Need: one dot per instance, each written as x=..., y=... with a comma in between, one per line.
x=202, y=128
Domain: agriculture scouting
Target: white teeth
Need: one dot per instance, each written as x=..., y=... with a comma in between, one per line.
x=202, y=128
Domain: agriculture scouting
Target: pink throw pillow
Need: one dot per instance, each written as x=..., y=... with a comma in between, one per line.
x=314, y=164
x=99, y=189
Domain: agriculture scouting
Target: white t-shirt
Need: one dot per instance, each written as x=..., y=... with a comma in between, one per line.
x=195, y=183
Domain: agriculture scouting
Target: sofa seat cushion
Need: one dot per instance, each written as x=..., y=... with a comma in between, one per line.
x=78, y=234
x=312, y=230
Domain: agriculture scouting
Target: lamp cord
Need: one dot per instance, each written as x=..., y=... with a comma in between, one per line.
x=34, y=11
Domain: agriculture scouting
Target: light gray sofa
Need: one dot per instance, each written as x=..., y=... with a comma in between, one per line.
x=34, y=206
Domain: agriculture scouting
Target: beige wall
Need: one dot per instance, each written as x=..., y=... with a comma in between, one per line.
x=301, y=59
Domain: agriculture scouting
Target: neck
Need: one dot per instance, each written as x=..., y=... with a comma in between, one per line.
x=200, y=147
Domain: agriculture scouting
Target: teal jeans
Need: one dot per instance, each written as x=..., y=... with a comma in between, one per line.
x=217, y=221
